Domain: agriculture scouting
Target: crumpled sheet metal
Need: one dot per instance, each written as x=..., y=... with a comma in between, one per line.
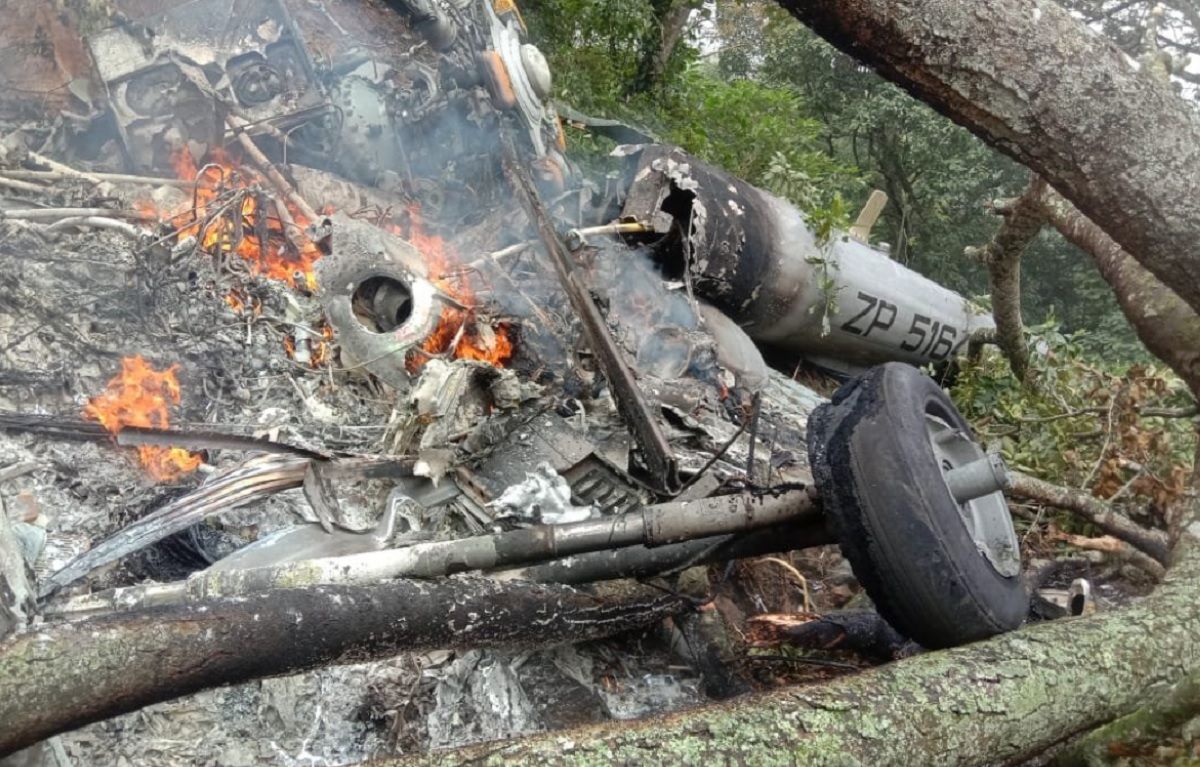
x=360, y=252
x=263, y=63
x=309, y=541
x=544, y=497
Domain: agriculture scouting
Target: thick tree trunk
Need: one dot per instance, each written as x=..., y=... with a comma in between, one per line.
x=1038, y=85
x=988, y=703
x=59, y=677
x=1145, y=727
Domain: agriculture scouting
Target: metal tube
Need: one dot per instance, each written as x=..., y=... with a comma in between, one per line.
x=644, y=561
x=659, y=524
x=978, y=478
x=836, y=300
x=624, y=543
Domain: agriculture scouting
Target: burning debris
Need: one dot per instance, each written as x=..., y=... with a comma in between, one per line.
x=141, y=396
x=416, y=341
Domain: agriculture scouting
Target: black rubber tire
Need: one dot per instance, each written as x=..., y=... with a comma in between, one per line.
x=888, y=504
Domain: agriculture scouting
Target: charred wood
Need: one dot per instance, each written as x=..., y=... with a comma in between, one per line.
x=64, y=676
x=861, y=631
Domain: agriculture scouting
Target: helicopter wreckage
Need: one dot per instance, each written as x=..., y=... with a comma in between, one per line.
x=330, y=263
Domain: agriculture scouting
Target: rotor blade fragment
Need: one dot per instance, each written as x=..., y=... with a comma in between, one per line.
x=631, y=402
x=251, y=480
x=256, y=478
x=208, y=440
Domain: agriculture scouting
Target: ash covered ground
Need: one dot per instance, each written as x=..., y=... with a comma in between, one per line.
x=203, y=279
x=75, y=306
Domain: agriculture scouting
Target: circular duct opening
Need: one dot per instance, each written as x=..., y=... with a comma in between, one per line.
x=382, y=304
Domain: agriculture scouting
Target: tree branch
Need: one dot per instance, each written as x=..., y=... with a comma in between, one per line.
x=1121, y=146
x=62, y=676
x=991, y=702
x=1116, y=549
x=1167, y=326
x=1023, y=220
x=1150, y=725
x=1092, y=509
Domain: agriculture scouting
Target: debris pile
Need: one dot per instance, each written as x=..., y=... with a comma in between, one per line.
x=352, y=300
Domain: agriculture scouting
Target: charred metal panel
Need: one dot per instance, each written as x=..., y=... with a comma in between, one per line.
x=166, y=73
x=377, y=297
x=754, y=256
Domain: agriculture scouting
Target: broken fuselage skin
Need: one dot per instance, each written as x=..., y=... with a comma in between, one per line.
x=839, y=303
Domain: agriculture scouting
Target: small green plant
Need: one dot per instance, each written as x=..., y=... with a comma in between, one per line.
x=827, y=224
x=1088, y=424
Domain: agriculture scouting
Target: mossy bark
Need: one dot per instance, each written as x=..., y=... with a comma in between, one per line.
x=991, y=702
x=1002, y=257
x=1147, y=726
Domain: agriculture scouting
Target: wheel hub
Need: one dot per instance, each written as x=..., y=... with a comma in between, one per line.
x=974, y=479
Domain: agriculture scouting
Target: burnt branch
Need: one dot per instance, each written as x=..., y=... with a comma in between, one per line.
x=64, y=676
x=861, y=631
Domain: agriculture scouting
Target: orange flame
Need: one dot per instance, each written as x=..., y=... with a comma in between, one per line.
x=319, y=349
x=140, y=396
x=287, y=256
x=473, y=342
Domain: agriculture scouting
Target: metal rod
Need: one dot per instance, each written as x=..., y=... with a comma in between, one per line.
x=686, y=530
x=97, y=222
x=978, y=478
x=651, y=440
x=40, y=213
x=642, y=561
x=653, y=525
x=21, y=186
x=116, y=178
x=66, y=170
